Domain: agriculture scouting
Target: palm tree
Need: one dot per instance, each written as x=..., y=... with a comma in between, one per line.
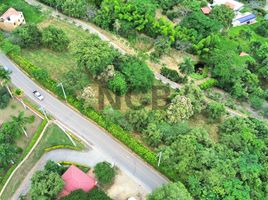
x=20, y=121
x=5, y=78
x=187, y=67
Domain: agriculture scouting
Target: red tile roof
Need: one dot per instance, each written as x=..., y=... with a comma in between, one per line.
x=10, y=12
x=75, y=179
x=205, y=10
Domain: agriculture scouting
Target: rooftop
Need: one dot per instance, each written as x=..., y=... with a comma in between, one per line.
x=75, y=179
x=10, y=12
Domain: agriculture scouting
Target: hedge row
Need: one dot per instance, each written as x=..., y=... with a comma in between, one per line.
x=25, y=152
x=171, y=74
x=123, y=136
x=62, y=147
x=208, y=84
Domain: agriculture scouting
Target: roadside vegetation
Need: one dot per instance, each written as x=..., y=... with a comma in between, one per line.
x=53, y=137
x=224, y=159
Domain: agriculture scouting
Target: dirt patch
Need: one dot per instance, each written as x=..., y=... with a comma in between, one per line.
x=124, y=187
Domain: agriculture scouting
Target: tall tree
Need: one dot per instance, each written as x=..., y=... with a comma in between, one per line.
x=45, y=185
x=170, y=191
x=222, y=14
x=94, y=55
x=20, y=121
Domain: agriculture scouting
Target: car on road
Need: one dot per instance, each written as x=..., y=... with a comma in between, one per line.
x=38, y=95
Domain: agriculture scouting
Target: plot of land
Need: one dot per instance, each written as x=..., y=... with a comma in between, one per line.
x=52, y=137
x=13, y=109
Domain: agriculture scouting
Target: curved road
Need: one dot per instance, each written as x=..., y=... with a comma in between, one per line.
x=117, y=153
x=87, y=158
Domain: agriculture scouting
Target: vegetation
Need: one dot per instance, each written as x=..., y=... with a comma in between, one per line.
x=4, y=97
x=45, y=185
x=170, y=191
x=105, y=173
x=54, y=39
x=94, y=194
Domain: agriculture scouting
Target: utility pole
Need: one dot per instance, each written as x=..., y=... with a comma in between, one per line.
x=159, y=160
x=43, y=111
x=61, y=85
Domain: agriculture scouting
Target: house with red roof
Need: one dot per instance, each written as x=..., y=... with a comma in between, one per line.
x=75, y=179
x=11, y=19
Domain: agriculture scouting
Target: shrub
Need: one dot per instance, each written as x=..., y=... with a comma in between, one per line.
x=105, y=173
x=4, y=98
x=27, y=36
x=55, y=39
x=215, y=111
x=95, y=194
x=208, y=84
x=8, y=47
x=171, y=74
x=256, y=102
x=118, y=84
x=262, y=29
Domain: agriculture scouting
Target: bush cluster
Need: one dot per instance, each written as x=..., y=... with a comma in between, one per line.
x=171, y=74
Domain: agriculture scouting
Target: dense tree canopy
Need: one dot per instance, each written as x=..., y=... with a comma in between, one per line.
x=201, y=23
x=46, y=185
x=54, y=38
x=171, y=191
x=27, y=36
x=105, y=173
x=137, y=74
x=222, y=14
x=94, y=55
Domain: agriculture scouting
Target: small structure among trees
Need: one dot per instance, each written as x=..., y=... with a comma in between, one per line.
x=75, y=179
x=11, y=19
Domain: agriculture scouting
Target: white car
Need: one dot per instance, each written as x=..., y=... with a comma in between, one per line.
x=38, y=95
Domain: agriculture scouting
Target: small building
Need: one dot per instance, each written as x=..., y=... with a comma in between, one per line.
x=234, y=5
x=245, y=18
x=206, y=10
x=11, y=19
x=75, y=179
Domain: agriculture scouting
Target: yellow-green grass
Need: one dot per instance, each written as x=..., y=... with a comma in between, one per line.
x=52, y=137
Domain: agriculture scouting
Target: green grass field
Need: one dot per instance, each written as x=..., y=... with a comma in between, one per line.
x=31, y=14
x=52, y=137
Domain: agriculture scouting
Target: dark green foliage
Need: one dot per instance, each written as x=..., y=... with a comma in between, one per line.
x=137, y=74
x=45, y=185
x=75, y=8
x=4, y=97
x=262, y=28
x=54, y=38
x=222, y=14
x=171, y=74
x=51, y=166
x=105, y=173
x=94, y=194
x=118, y=84
x=172, y=191
x=187, y=66
x=215, y=111
x=201, y=23
x=27, y=36
x=9, y=153
x=94, y=55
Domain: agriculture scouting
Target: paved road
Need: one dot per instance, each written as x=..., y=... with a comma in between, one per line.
x=88, y=158
x=103, y=142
